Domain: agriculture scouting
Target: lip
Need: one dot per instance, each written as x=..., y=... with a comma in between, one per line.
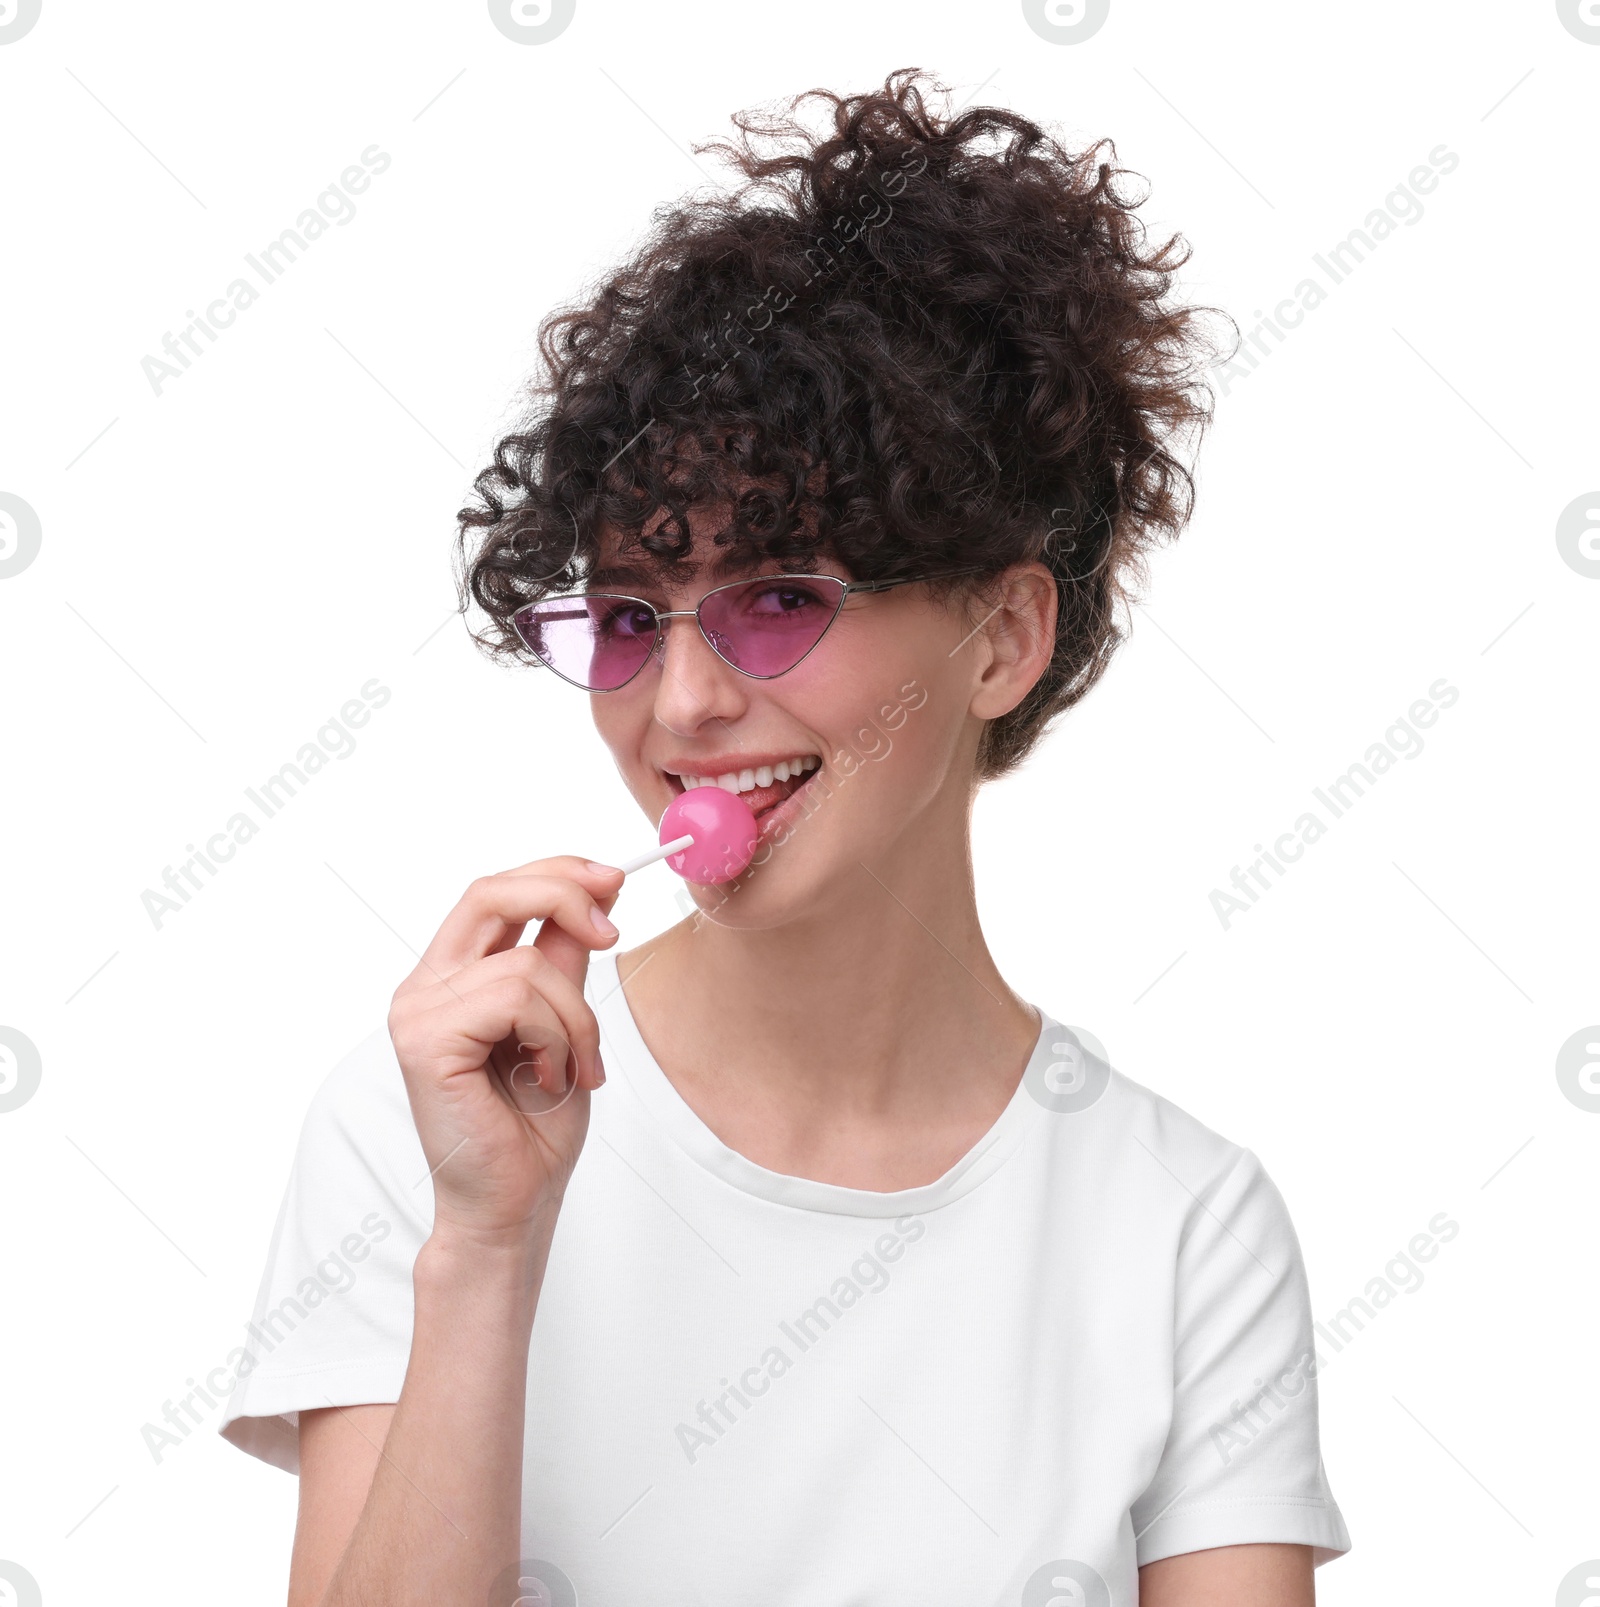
x=720, y=765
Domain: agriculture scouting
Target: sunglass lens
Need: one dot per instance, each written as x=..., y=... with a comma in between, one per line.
x=598, y=642
x=767, y=626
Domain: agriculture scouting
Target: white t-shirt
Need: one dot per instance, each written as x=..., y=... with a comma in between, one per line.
x=1087, y=1346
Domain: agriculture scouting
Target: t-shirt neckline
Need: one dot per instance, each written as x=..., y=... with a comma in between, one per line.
x=627, y=1054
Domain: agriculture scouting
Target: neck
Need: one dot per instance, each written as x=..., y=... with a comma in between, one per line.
x=878, y=1025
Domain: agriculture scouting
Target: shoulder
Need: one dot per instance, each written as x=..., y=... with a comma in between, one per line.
x=1129, y=1118
x=358, y=1127
x=1218, y=1192
x=365, y=1082
x=1133, y=1150
x=1175, y=1138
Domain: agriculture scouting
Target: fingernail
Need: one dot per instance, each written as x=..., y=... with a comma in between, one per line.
x=599, y=869
x=601, y=924
x=599, y=1070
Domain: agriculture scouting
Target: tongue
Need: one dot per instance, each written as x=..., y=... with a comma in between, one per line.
x=761, y=799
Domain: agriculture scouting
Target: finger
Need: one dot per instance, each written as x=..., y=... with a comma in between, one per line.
x=458, y=1038
x=577, y=1021
x=567, y=865
x=494, y=911
x=533, y=1068
x=536, y=1072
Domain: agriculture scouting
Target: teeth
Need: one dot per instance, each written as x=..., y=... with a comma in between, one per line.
x=764, y=776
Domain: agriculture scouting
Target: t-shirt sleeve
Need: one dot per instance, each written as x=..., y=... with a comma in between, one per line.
x=1242, y=1461
x=333, y=1316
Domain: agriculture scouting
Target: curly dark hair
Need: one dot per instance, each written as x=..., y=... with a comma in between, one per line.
x=912, y=343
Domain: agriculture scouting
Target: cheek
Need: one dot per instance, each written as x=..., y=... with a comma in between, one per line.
x=607, y=727
x=622, y=731
x=873, y=738
x=893, y=740
x=891, y=765
x=876, y=701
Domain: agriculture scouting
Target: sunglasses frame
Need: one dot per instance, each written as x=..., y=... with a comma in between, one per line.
x=662, y=614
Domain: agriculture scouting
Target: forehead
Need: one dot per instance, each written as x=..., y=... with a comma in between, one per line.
x=615, y=571
x=706, y=565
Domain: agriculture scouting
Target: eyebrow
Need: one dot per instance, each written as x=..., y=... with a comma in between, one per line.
x=731, y=566
x=623, y=575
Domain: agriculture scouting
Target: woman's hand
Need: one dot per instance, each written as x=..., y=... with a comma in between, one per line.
x=499, y=1048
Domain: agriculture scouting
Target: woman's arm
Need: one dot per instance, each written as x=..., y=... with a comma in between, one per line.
x=420, y=1504
x=1230, y=1576
x=421, y=1501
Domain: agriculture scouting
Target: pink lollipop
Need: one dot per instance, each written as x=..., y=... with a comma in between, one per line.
x=707, y=835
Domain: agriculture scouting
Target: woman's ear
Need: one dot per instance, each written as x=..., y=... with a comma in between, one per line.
x=1018, y=624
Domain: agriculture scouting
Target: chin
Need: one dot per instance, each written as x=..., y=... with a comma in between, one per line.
x=797, y=874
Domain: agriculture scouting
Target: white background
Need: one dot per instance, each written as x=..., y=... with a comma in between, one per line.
x=224, y=565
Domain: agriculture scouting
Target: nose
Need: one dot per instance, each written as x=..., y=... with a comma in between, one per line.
x=694, y=685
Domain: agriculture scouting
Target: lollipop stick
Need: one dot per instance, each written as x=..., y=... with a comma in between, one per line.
x=676, y=846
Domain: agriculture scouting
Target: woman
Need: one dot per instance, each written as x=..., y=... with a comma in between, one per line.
x=863, y=1279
